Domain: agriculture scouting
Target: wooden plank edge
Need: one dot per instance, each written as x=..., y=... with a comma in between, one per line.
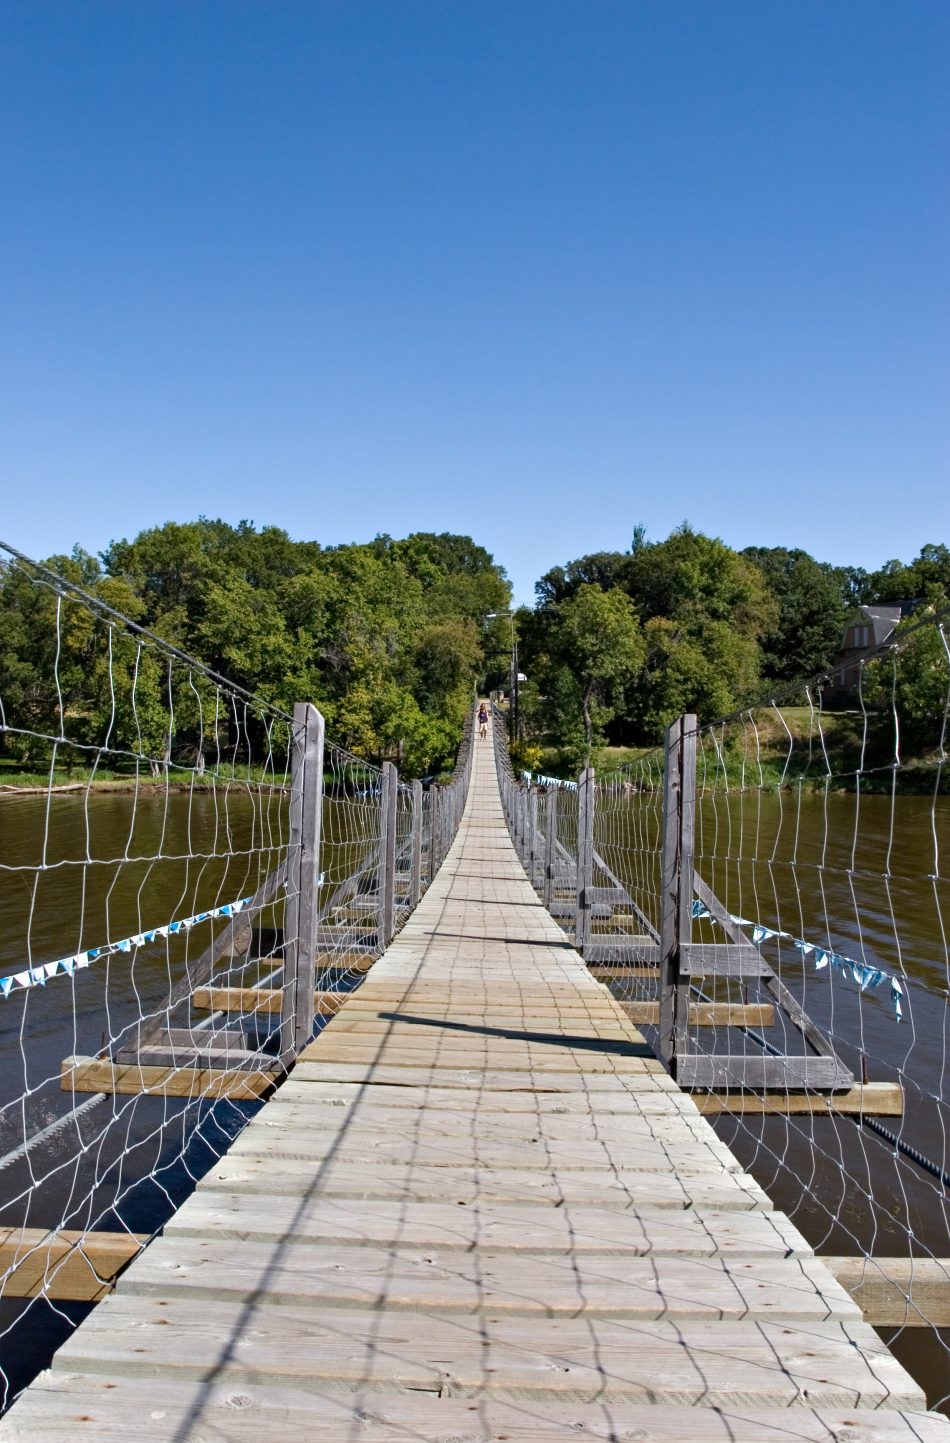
x=875, y=1099
x=66, y=1266
x=897, y=1292
x=98, y=1074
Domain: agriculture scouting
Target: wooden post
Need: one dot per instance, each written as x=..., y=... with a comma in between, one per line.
x=532, y=833
x=676, y=884
x=585, y=857
x=301, y=908
x=434, y=808
x=387, y=854
x=550, y=845
x=415, y=886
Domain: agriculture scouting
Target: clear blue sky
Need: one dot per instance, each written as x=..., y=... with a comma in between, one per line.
x=534, y=270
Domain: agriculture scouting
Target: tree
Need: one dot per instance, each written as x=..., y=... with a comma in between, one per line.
x=812, y=609
x=600, y=641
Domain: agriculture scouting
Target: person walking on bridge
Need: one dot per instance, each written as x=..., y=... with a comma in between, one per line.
x=483, y=720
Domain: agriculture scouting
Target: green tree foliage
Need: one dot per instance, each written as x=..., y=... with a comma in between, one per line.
x=386, y=638
x=813, y=605
x=913, y=680
x=598, y=646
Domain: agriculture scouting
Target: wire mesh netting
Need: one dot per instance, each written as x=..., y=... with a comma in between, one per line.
x=153, y=900
x=812, y=1014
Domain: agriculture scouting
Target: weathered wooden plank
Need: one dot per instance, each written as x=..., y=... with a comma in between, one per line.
x=566, y=1231
x=723, y=959
x=713, y=1070
x=877, y=1099
x=499, y=1079
x=259, y=999
x=621, y=1101
x=707, y=1014
x=112, y=1408
x=67, y=1266
x=628, y=1131
x=641, y=953
x=833, y=1364
x=96, y=1074
x=620, y=1058
x=897, y=1292
x=273, y=1173
x=283, y=1274
x=376, y=1149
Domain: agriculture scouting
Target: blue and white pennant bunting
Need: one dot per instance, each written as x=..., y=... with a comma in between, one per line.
x=863, y=974
x=66, y=966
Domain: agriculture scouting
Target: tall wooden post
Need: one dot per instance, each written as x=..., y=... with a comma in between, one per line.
x=415, y=884
x=435, y=806
x=532, y=833
x=387, y=854
x=676, y=884
x=585, y=858
x=301, y=908
x=550, y=845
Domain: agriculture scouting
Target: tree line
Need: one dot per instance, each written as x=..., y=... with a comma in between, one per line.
x=622, y=642
x=390, y=638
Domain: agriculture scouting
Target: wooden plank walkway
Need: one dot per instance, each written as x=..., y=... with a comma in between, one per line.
x=478, y=1210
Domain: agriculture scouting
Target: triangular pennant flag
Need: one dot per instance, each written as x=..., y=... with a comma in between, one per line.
x=22, y=979
x=6, y=985
x=51, y=968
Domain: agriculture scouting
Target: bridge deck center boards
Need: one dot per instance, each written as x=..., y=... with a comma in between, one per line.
x=479, y=1209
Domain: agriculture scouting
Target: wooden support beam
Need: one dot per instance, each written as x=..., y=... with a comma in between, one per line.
x=707, y=1014
x=897, y=1292
x=607, y=973
x=251, y=1000
x=67, y=1266
x=98, y=1074
x=876, y=1099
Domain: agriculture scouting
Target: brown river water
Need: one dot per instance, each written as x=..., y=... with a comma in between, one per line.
x=861, y=877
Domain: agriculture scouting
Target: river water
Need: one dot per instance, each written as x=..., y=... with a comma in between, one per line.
x=861, y=876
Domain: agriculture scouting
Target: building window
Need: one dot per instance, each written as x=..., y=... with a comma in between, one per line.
x=861, y=638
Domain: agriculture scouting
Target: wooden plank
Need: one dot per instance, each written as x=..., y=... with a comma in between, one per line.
x=265, y=1000
x=610, y=963
x=442, y=1281
x=877, y=1099
x=273, y=1173
x=437, y=1124
x=613, y=951
x=491, y=1227
x=897, y=1292
x=103, y=1406
x=66, y=1266
x=723, y=959
x=469, y=1103
x=707, y=1014
x=97, y=1074
x=399, y=1149
x=475, y=1079
x=833, y=1364
x=713, y=1070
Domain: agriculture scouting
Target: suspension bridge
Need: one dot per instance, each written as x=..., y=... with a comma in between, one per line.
x=444, y=1113
x=478, y=1208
